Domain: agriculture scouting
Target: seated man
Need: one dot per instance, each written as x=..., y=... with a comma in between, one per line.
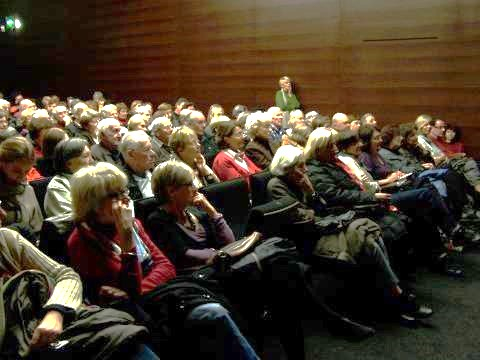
x=160, y=130
x=138, y=159
x=109, y=134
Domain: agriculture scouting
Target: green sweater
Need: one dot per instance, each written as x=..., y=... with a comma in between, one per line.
x=292, y=102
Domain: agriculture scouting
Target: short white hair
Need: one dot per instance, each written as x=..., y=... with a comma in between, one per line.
x=256, y=121
x=41, y=114
x=159, y=121
x=218, y=119
x=273, y=110
x=131, y=141
x=311, y=114
x=106, y=123
x=109, y=108
x=339, y=117
x=4, y=103
x=285, y=159
x=59, y=108
x=318, y=140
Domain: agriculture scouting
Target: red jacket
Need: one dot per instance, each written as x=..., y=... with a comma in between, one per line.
x=227, y=168
x=92, y=256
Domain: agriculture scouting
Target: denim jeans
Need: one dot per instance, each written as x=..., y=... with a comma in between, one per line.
x=217, y=334
x=142, y=352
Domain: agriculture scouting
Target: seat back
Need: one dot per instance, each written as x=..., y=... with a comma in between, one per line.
x=53, y=242
x=144, y=207
x=232, y=199
x=40, y=188
x=258, y=186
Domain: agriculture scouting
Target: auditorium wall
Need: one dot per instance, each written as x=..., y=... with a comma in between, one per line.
x=394, y=58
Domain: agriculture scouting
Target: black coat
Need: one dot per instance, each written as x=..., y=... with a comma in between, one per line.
x=336, y=186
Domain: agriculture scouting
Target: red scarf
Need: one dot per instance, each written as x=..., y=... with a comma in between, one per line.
x=349, y=172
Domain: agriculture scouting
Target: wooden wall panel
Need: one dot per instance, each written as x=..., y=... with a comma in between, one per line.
x=394, y=58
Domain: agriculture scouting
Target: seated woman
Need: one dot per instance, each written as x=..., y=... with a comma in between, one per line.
x=231, y=163
x=186, y=146
x=88, y=120
x=259, y=149
x=70, y=156
x=18, y=198
x=291, y=181
x=60, y=310
x=117, y=260
x=50, y=139
x=452, y=140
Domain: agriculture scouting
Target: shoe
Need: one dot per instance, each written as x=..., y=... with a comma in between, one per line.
x=409, y=307
x=441, y=266
x=349, y=328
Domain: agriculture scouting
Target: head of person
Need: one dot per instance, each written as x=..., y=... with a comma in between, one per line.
x=237, y=110
x=214, y=111
x=409, y=133
x=109, y=133
x=39, y=123
x=340, y=122
x=289, y=163
x=18, y=98
x=371, y=138
x=16, y=159
x=94, y=191
x=78, y=110
x=277, y=116
x=391, y=137
x=71, y=155
x=137, y=122
x=185, y=144
x=321, y=146
x=161, y=128
x=50, y=140
x=298, y=137
x=144, y=111
x=89, y=120
x=27, y=104
x=296, y=119
x=229, y=136
x=259, y=129
x=109, y=111
x=196, y=121
x=452, y=134
x=355, y=125
x=349, y=142
x=98, y=96
x=285, y=84
x=180, y=105
x=309, y=116
x=423, y=124
x=122, y=110
x=368, y=119
x=3, y=120
x=136, y=150
x=321, y=121
x=438, y=129
x=5, y=105
x=172, y=183
x=134, y=104
x=59, y=113
x=165, y=110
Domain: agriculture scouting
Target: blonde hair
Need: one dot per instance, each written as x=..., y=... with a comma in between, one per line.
x=211, y=110
x=87, y=115
x=285, y=159
x=318, y=141
x=16, y=148
x=180, y=137
x=422, y=120
x=282, y=79
x=135, y=121
x=170, y=173
x=91, y=185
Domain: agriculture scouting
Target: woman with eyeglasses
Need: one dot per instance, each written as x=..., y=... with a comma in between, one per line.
x=119, y=263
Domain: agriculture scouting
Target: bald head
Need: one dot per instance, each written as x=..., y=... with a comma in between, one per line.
x=340, y=122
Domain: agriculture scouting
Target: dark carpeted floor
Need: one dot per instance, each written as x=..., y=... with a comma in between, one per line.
x=452, y=333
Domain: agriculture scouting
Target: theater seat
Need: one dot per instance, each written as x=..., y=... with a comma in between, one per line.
x=54, y=242
x=144, y=207
x=40, y=188
x=258, y=186
x=232, y=199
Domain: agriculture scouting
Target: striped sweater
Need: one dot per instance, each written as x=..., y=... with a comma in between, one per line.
x=17, y=254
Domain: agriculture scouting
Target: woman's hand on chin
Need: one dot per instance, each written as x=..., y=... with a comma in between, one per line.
x=123, y=215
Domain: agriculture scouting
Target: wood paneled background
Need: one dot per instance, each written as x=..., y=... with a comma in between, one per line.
x=344, y=55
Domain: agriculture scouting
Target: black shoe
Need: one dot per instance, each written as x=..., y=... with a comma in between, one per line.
x=409, y=307
x=349, y=328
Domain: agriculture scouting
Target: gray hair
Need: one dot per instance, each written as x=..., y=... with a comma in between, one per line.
x=285, y=159
x=104, y=124
x=132, y=140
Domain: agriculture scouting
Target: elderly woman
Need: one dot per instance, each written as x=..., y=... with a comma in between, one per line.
x=231, y=162
x=259, y=149
x=70, y=156
x=186, y=146
x=17, y=196
x=285, y=98
x=137, y=122
x=50, y=140
x=117, y=260
x=291, y=181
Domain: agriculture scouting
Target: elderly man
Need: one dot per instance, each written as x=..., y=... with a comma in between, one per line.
x=340, y=122
x=109, y=136
x=161, y=129
x=74, y=129
x=138, y=159
x=60, y=115
x=368, y=119
x=276, y=131
x=297, y=119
